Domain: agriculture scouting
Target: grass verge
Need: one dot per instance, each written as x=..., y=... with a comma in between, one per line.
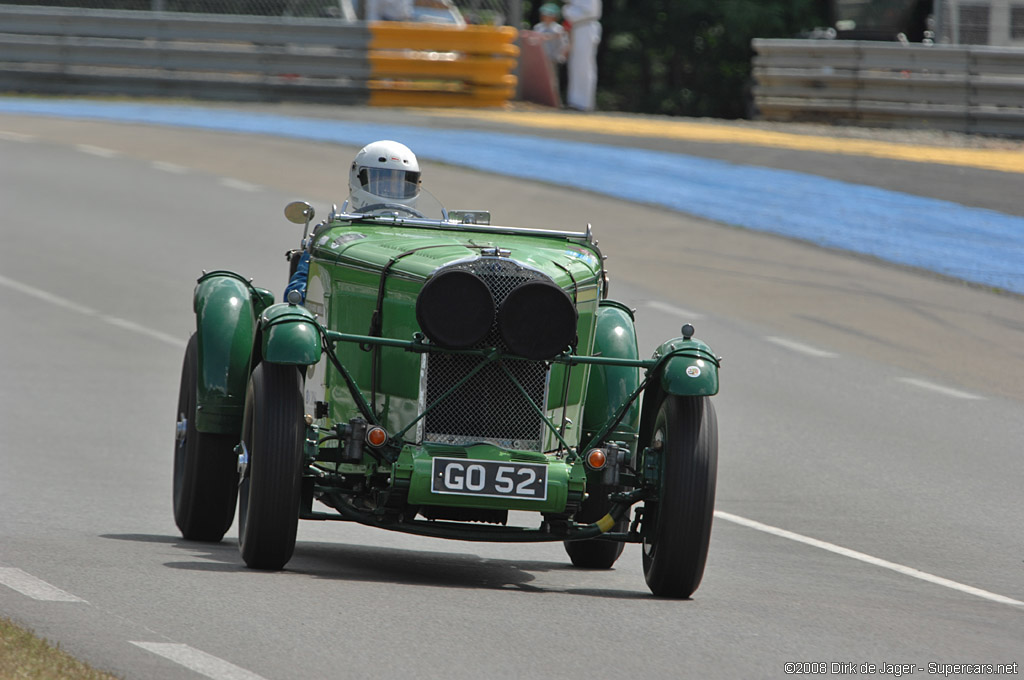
x=23, y=656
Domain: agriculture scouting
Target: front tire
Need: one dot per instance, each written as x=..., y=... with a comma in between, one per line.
x=273, y=432
x=677, y=526
x=595, y=553
x=205, y=465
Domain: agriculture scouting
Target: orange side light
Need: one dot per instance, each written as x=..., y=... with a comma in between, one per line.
x=596, y=459
x=376, y=436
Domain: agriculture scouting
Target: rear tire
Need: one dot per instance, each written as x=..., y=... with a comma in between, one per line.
x=205, y=466
x=677, y=526
x=595, y=553
x=273, y=432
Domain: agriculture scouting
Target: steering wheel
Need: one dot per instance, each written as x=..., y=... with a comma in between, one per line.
x=392, y=206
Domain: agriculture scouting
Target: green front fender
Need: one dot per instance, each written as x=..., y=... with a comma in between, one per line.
x=226, y=305
x=684, y=367
x=688, y=368
x=290, y=335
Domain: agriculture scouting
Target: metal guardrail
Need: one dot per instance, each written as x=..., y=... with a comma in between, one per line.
x=81, y=51
x=481, y=12
x=974, y=89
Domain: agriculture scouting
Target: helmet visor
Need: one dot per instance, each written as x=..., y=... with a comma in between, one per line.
x=389, y=183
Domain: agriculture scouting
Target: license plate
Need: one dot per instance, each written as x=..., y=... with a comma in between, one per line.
x=495, y=479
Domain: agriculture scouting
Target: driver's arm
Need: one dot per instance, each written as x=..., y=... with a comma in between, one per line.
x=299, y=278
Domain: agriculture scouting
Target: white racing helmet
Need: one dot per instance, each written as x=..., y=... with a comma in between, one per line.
x=383, y=172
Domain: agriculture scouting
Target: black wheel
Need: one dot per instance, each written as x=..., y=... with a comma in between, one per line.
x=595, y=553
x=677, y=526
x=271, y=479
x=205, y=466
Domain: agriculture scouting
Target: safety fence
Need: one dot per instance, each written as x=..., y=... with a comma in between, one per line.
x=251, y=58
x=964, y=88
x=462, y=12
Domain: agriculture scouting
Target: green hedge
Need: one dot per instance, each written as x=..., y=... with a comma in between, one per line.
x=690, y=57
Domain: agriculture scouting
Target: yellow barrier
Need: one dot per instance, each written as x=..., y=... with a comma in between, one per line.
x=438, y=65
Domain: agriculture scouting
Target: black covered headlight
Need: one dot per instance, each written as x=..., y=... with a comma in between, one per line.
x=455, y=309
x=537, y=320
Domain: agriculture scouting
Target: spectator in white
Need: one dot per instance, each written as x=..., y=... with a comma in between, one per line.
x=389, y=10
x=556, y=39
x=584, y=17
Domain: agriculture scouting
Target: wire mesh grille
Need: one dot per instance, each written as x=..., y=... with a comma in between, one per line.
x=489, y=407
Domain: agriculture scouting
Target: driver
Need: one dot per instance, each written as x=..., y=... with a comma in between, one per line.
x=384, y=175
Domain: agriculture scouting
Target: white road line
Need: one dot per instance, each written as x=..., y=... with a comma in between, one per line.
x=232, y=183
x=672, y=309
x=801, y=348
x=52, y=299
x=37, y=589
x=941, y=389
x=200, y=662
x=142, y=330
x=169, y=167
x=88, y=311
x=878, y=562
x=96, y=150
x=15, y=136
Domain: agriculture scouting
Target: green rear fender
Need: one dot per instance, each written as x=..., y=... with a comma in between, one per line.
x=289, y=335
x=609, y=388
x=226, y=305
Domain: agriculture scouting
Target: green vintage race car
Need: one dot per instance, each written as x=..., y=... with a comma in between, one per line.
x=440, y=374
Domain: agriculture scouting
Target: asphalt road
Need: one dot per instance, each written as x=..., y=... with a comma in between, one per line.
x=869, y=495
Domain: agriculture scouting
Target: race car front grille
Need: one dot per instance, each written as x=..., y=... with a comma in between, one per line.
x=489, y=407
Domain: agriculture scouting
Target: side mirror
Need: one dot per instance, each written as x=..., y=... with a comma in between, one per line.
x=299, y=212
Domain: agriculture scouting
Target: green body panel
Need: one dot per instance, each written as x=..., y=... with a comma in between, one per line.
x=565, y=402
x=289, y=335
x=225, y=305
x=353, y=300
x=685, y=375
x=611, y=387
x=372, y=246
x=416, y=462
